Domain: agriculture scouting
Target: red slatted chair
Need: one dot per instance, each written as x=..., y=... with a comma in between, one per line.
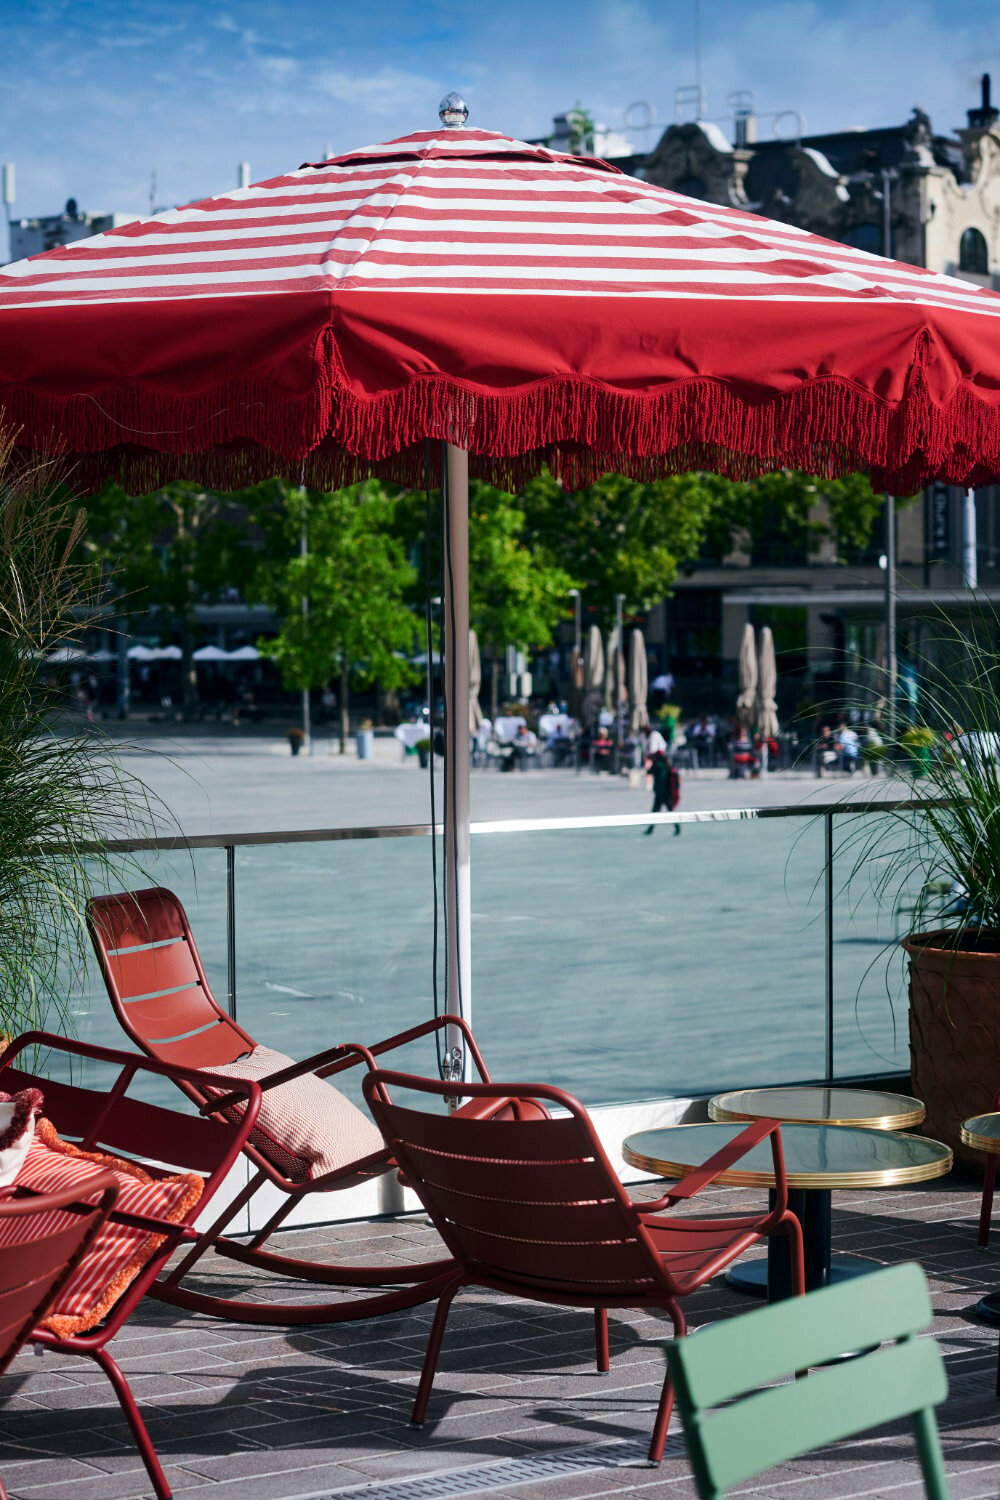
x=111, y=1120
x=37, y=1259
x=533, y=1208
x=161, y=996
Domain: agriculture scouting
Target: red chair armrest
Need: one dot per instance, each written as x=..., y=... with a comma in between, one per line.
x=707, y=1173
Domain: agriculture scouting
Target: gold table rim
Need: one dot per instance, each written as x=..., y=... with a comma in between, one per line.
x=823, y=1181
x=987, y=1143
x=904, y=1120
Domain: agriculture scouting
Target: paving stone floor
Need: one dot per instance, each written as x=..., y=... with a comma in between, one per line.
x=518, y=1411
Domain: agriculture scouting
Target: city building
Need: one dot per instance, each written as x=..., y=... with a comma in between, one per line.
x=33, y=236
x=921, y=197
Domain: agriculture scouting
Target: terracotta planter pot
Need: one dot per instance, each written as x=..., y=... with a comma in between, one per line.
x=954, y=1031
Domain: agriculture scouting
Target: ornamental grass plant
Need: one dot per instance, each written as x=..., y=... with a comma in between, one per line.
x=64, y=795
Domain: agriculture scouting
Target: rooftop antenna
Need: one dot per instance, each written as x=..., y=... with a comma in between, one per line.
x=152, y=190
x=639, y=118
x=8, y=197
x=243, y=174
x=328, y=152
x=697, y=49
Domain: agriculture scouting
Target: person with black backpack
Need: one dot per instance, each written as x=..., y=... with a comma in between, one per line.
x=666, y=787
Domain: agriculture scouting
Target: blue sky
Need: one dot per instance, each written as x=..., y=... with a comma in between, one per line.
x=96, y=95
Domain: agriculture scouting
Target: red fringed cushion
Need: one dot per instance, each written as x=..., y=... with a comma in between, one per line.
x=17, y=1128
x=119, y=1253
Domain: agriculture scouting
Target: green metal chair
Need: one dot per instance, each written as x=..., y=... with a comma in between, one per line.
x=731, y=1361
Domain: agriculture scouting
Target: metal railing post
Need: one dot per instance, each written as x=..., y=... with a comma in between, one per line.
x=828, y=944
x=231, y=927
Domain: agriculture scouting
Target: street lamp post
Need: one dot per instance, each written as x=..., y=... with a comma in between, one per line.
x=890, y=615
x=574, y=594
x=617, y=677
x=304, y=551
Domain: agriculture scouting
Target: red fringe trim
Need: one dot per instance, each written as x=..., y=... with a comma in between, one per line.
x=244, y=432
x=27, y=1105
x=63, y=1325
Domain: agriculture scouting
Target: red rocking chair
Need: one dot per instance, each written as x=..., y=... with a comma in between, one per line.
x=43, y=1263
x=533, y=1208
x=161, y=996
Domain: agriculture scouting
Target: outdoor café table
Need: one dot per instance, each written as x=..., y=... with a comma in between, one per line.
x=872, y=1109
x=982, y=1133
x=818, y=1160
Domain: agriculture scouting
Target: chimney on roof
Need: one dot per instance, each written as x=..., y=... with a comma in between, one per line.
x=986, y=115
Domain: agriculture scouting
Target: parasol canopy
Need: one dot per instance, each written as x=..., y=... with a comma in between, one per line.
x=746, y=702
x=767, y=687
x=575, y=704
x=519, y=303
x=638, y=675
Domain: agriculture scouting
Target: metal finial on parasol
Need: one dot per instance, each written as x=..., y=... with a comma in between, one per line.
x=453, y=111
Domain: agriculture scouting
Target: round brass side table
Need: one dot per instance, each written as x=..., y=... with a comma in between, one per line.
x=982, y=1133
x=818, y=1159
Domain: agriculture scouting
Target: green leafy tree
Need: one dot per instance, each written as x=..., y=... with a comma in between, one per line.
x=354, y=577
x=171, y=551
x=518, y=593
x=795, y=512
x=619, y=536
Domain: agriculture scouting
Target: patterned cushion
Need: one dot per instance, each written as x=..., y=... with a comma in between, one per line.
x=306, y=1127
x=119, y=1253
x=17, y=1128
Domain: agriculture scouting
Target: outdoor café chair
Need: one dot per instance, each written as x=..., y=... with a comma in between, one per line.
x=161, y=996
x=42, y=1241
x=734, y=1429
x=533, y=1208
x=106, y=1275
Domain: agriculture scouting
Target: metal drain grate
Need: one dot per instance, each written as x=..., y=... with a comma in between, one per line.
x=508, y=1471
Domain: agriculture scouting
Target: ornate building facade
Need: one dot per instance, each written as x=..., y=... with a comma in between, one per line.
x=921, y=197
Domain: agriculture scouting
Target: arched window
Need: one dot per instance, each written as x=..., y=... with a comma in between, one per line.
x=865, y=237
x=973, y=254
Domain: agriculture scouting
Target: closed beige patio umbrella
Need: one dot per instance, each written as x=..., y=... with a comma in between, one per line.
x=593, y=677
x=638, y=682
x=767, y=687
x=475, y=683
x=746, y=702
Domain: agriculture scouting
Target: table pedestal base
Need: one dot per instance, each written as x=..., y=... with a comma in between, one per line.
x=773, y=1278
x=988, y=1309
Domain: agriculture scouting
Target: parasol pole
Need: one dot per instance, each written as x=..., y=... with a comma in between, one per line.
x=457, y=877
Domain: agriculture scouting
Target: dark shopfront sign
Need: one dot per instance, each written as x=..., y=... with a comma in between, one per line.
x=939, y=521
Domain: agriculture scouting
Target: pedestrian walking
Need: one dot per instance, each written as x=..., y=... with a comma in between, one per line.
x=666, y=787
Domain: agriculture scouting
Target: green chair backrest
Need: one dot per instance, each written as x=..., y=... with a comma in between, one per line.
x=730, y=1361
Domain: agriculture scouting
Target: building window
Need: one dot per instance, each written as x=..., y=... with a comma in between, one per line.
x=865, y=237
x=692, y=187
x=972, y=253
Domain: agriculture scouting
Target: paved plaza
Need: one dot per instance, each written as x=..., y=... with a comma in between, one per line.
x=518, y=1411
x=247, y=781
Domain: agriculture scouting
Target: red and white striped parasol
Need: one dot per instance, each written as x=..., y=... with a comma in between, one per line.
x=513, y=303
x=519, y=303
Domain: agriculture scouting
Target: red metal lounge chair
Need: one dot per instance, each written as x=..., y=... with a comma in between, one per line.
x=42, y=1247
x=110, y=1120
x=162, y=998
x=533, y=1208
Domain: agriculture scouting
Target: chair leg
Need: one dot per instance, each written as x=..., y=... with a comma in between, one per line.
x=931, y=1458
x=601, y=1338
x=207, y=1240
x=433, y=1351
x=986, y=1211
x=143, y=1441
x=793, y=1229
x=659, y=1439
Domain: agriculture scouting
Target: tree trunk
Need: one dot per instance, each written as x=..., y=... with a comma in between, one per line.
x=344, y=686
